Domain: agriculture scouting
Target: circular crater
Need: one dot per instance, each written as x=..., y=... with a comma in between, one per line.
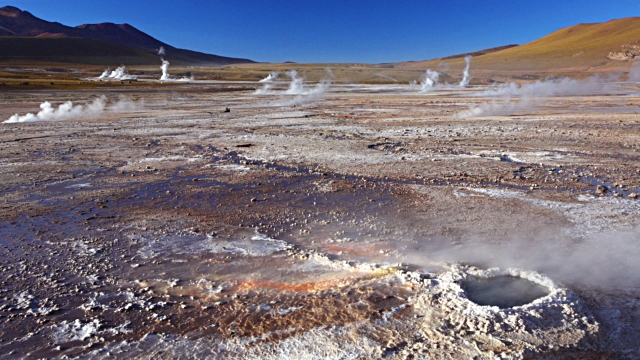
x=503, y=291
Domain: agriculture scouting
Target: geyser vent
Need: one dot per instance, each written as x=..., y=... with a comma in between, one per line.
x=503, y=291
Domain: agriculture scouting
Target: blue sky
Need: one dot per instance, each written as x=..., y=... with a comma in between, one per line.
x=370, y=31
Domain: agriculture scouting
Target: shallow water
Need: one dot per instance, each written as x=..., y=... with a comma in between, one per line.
x=503, y=291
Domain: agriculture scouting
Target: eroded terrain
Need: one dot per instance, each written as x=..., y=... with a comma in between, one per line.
x=339, y=227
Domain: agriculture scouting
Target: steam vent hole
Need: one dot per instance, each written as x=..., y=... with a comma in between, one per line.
x=503, y=291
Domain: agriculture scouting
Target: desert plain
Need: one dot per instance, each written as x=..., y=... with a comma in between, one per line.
x=213, y=219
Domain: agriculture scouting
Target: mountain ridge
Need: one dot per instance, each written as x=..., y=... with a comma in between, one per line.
x=15, y=22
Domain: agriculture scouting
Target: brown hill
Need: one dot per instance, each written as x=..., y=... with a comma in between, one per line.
x=479, y=52
x=578, y=48
x=17, y=23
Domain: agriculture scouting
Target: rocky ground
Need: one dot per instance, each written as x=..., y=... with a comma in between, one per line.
x=339, y=227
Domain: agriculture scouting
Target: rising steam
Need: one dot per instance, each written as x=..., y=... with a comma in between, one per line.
x=430, y=80
x=603, y=261
x=303, y=93
x=67, y=111
x=273, y=76
x=465, y=73
x=296, y=87
x=117, y=74
x=165, y=70
x=512, y=97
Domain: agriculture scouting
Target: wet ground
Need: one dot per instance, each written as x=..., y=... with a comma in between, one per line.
x=176, y=229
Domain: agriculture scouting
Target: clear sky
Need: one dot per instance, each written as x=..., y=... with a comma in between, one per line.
x=371, y=31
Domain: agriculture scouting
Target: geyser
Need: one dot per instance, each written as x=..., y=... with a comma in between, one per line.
x=117, y=74
x=274, y=75
x=503, y=291
x=296, y=87
x=430, y=80
x=466, y=77
x=304, y=94
x=66, y=111
x=165, y=70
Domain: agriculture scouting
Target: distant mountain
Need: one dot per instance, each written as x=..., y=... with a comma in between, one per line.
x=16, y=23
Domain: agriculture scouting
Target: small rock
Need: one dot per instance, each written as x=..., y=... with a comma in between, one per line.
x=633, y=196
x=601, y=189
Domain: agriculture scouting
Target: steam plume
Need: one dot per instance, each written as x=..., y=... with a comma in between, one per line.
x=161, y=51
x=465, y=73
x=266, y=89
x=308, y=95
x=297, y=86
x=604, y=261
x=430, y=80
x=126, y=105
x=66, y=111
x=165, y=70
x=431, y=77
x=274, y=75
x=512, y=97
x=117, y=74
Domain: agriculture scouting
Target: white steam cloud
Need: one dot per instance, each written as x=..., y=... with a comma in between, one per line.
x=117, y=74
x=126, y=105
x=604, y=261
x=67, y=111
x=465, y=73
x=273, y=76
x=265, y=90
x=296, y=87
x=161, y=51
x=430, y=80
x=165, y=73
x=165, y=70
x=303, y=94
x=511, y=97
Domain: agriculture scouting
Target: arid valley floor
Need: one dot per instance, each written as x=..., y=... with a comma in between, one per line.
x=340, y=226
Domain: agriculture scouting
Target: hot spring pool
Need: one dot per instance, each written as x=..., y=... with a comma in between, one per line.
x=502, y=291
